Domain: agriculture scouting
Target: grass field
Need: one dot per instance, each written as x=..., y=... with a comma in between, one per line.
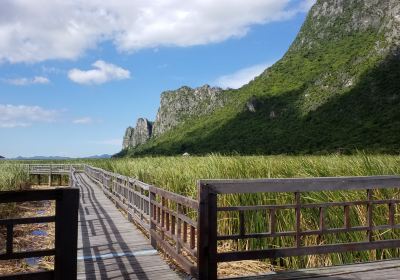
x=179, y=174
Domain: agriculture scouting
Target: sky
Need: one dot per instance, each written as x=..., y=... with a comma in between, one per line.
x=74, y=74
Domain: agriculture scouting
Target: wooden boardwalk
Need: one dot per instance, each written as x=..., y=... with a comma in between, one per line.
x=379, y=270
x=110, y=247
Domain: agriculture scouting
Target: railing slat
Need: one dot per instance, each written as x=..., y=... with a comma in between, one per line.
x=10, y=239
x=369, y=214
x=298, y=218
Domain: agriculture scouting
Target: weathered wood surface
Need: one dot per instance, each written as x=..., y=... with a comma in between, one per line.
x=231, y=186
x=110, y=247
x=380, y=270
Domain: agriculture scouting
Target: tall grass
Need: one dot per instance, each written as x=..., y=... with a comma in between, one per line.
x=12, y=177
x=179, y=174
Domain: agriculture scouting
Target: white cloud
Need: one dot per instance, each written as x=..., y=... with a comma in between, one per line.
x=86, y=120
x=27, y=81
x=241, y=77
x=21, y=115
x=32, y=31
x=103, y=72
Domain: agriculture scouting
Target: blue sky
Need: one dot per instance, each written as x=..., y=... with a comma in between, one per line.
x=74, y=76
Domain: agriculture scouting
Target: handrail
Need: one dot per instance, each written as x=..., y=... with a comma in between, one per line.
x=166, y=217
x=66, y=231
x=209, y=190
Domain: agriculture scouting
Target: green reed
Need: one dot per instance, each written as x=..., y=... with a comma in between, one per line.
x=180, y=174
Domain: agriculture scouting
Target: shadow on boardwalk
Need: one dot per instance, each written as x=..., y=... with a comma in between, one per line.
x=110, y=247
x=383, y=270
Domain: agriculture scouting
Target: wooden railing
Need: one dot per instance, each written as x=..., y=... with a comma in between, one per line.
x=55, y=173
x=174, y=227
x=51, y=168
x=129, y=194
x=209, y=209
x=66, y=232
x=167, y=218
x=187, y=229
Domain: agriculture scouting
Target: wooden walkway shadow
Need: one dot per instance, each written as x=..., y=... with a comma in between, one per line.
x=110, y=247
x=383, y=270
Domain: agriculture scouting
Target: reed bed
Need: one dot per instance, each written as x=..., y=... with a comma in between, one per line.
x=180, y=174
x=12, y=177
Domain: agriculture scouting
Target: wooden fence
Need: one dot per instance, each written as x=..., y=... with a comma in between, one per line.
x=169, y=219
x=55, y=173
x=187, y=229
x=209, y=191
x=66, y=231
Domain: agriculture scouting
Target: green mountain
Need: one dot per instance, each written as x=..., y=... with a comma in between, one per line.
x=336, y=89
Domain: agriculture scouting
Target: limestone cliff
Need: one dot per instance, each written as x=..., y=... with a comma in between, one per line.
x=138, y=135
x=334, y=19
x=127, y=137
x=176, y=106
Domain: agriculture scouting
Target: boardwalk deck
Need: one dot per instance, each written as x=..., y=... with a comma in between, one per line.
x=379, y=270
x=109, y=247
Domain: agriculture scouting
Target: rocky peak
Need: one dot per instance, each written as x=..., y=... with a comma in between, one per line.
x=176, y=106
x=334, y=19
x=143, y=131
x=127, y=137
x=138, y=135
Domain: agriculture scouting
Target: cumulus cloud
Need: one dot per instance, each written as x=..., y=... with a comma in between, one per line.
x=103, y=72
x=86, y=120
x=32, y=31
x=22, y=115
x=27, y=81
x=241, y=77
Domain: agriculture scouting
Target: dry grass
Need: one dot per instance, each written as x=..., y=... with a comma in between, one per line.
x=243, y=268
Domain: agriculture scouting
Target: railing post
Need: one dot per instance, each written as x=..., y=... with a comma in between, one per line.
x=66, y=235
x=152, y=198
x=50, y=171
x=207, y=233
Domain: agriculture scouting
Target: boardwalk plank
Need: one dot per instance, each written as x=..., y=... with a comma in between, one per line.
x=379, y=270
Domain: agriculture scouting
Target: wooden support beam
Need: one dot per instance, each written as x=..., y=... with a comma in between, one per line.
x=66, y=235
x=207, y=234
